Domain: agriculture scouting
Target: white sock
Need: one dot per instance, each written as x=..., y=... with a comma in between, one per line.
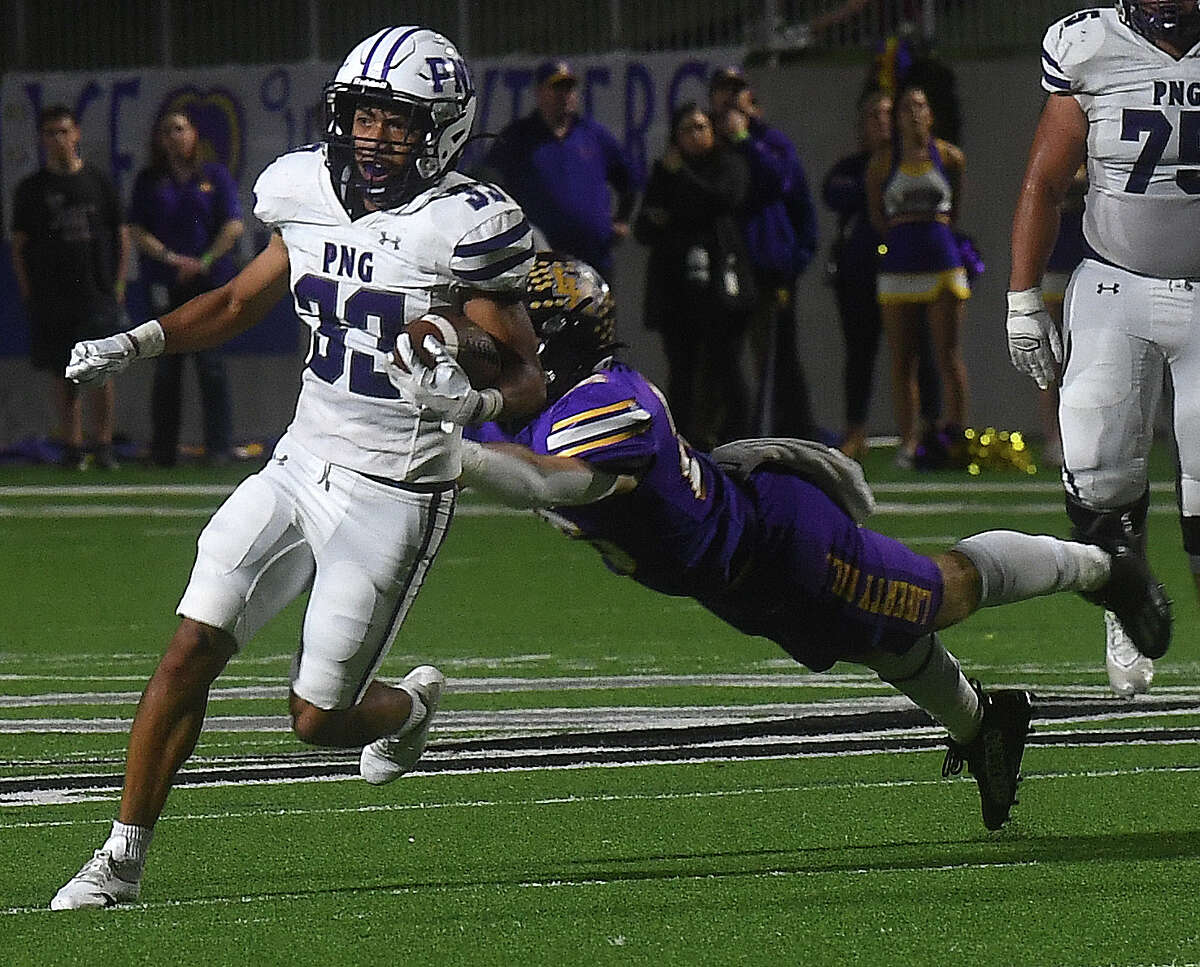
x=415, y=715
x=1014, y=566
x=129, y=843
x=931, y=677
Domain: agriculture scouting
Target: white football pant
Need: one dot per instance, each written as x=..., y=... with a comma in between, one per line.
x=1122, y=330
x=363, y=547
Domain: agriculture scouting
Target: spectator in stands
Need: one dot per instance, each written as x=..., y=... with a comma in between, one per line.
x=70, y=252
x=914, y=192
x=780, y=226
x=563, y=169
x=185, y=218
x=699, y=283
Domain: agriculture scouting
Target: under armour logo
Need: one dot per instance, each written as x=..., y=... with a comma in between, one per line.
x=393, y=242
x=1101, y=288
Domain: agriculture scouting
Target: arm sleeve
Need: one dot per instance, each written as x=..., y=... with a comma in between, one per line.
x=525, y=483
x=767, y=154
x=803, y=216
x=1059, y=77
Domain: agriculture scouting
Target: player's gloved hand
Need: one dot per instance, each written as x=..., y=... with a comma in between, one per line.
x=97, y=360
x=442, y=391
x=1034, y=345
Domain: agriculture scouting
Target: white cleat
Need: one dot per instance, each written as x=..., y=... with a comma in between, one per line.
x=1129, y=671
x=103, y=882
x=391, y=756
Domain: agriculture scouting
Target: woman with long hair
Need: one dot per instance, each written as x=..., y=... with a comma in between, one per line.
x=185, y=218
x=914, y=190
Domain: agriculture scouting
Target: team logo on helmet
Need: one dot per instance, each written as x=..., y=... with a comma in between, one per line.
x=574, y=315
x=412, y=75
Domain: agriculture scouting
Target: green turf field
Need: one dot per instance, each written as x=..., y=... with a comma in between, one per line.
x=615, y=777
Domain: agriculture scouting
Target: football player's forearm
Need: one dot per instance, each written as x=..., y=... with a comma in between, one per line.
x=212, y=318
x=523, y=386
x=1035, y=229
x=521, y=478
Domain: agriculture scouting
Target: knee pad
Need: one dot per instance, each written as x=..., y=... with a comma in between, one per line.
x=1109, y=529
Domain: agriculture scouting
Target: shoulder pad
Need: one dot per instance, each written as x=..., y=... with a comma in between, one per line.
x=492, y=240
x=288, y=186
x=1070, y=44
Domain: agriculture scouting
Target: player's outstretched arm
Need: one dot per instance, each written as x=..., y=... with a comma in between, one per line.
x=200, y=323
x=213, y=317
x=519, y=477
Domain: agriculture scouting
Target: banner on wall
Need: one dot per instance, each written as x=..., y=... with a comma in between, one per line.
x=248, y=115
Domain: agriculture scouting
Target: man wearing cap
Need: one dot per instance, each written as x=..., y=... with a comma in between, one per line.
x=563, y=169
x=780, y=226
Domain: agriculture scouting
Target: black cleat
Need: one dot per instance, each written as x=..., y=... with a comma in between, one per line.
x=994, y=755
x=1138, y=600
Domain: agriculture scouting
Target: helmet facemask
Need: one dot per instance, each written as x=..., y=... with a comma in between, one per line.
x=365, y=165
x=1175, y=21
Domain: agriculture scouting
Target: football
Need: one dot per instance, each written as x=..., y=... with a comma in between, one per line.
x=474, y=348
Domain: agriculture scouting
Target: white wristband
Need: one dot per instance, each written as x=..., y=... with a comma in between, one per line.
x=1027, y=301
x=148, y=339
x=491, y=402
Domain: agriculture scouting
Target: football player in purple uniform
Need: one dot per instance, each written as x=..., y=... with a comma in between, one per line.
x=766, y=534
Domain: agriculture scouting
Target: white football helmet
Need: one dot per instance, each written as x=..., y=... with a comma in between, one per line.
x=1177, y=21
x=414, y=72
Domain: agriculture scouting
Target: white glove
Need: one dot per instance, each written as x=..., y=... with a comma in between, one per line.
x=97, y=360
x=443, y=391
x=1034, y=345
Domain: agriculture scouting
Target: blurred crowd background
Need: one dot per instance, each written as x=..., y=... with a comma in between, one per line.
x=784, y=353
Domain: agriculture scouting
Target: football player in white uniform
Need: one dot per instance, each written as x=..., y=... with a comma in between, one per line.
x=372, y=228
x=1124, y=89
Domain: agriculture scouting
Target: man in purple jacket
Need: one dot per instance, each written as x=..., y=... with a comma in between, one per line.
x=562, y=169
x=780, y=225
x=766, y=535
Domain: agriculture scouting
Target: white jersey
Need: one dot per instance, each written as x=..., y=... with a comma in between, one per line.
x=356, y=283
x=1143, y=145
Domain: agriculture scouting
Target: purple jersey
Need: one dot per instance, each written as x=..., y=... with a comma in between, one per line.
x=774, y=556
x=186, y=217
